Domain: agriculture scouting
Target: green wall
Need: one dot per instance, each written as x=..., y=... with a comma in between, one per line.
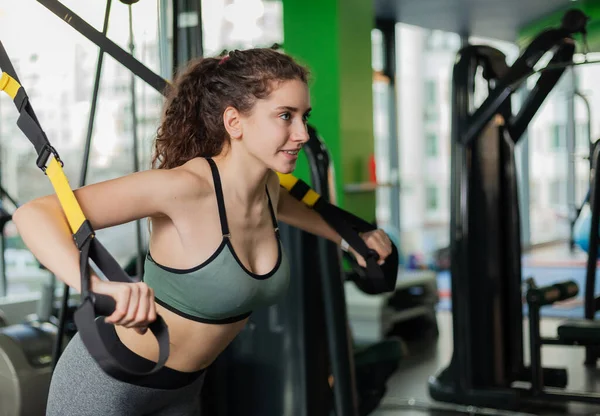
x=333, y=38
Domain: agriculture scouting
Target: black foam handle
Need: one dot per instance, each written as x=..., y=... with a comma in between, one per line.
x=104, y=305
x=100, y=338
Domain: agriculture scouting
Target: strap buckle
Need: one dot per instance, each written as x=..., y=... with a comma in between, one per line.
x=45, y=154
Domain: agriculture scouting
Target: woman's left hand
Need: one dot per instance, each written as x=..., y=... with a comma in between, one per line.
x=376, y=240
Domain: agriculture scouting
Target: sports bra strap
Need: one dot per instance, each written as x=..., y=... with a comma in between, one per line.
x=273, y=217
x=220, y=200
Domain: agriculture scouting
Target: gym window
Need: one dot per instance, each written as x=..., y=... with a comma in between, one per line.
x=558, y=192
x=431, y=198
x=430, y=93
x=557, y=137
x=582, y=138
x=431, y=144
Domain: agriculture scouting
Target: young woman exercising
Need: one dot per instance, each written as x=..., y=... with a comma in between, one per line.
x=213, y=200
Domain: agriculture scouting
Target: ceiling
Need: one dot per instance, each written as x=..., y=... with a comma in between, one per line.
x=497, y=19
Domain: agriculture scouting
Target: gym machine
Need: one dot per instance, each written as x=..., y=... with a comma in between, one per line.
x=26, y=357
x=574, y=332
x=488, y=363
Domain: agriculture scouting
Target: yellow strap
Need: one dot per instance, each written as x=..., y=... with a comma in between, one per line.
x=54, y=170
x=311, y=198
x=9, y=85
x=287, y=180
x=65, y=194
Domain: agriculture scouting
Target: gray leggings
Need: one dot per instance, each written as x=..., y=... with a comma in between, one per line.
x=79, y=387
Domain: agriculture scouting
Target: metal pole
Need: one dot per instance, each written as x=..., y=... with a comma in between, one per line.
x=388, y=29
x=163, y=40
x=571, y=203
x=334, y=306
x=524, y=186
x=590, y=146
x=537, y=374
x=136, y=160
x=187, y=32
x=591, y=266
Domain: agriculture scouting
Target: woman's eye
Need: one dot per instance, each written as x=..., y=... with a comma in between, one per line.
x=285, y=116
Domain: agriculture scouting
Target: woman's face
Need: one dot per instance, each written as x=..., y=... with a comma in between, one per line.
x=275, y=130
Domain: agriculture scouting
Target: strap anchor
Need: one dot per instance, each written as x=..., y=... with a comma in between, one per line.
x=44, y=155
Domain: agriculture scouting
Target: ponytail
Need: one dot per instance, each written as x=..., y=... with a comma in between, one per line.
x=182, y=135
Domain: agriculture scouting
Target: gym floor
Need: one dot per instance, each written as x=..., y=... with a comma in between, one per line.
x=409, y=383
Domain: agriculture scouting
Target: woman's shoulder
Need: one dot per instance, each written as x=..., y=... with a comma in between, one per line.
x=190, y=180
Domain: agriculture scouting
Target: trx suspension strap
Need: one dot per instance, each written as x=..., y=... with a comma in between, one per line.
x=377, y=279
x=98, y=337
x=98, y=38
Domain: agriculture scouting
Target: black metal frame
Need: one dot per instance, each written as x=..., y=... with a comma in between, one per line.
x=541, y=387
x=591, y=301
x=485, y=223
x=187, y=39
x=577, y=209
x=336, y=315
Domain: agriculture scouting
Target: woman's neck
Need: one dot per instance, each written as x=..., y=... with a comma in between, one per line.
x=243, y=176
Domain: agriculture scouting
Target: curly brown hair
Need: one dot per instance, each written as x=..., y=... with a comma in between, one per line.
x=192, y=121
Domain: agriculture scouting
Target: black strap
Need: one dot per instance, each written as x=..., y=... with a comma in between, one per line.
x=376, y=278
x=94, y=333
x=107, y=45
x=273, y=217
x=343, y=228
x=220, y=198
x=299, y=190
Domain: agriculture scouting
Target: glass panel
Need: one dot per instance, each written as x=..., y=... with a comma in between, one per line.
x=587, y=130
x=548, y=159
x=424, y=73
x=431, y=144
x=57, y=67
x=377, y=50
x=431, y=198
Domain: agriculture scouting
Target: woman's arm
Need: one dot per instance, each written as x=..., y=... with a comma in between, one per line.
x=45, y=231
x=297, y=214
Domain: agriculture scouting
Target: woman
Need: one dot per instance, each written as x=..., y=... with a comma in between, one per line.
x=213, y=201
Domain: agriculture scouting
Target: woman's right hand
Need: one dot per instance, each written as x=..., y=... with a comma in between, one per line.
x=135, y=306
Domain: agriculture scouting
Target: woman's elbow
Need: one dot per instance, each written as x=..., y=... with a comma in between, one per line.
x=25, y=213
x=21, y=215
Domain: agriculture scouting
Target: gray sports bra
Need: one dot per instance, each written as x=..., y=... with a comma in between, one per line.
x=220, y=290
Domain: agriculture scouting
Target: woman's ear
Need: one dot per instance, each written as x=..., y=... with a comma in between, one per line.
x=232, y=122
